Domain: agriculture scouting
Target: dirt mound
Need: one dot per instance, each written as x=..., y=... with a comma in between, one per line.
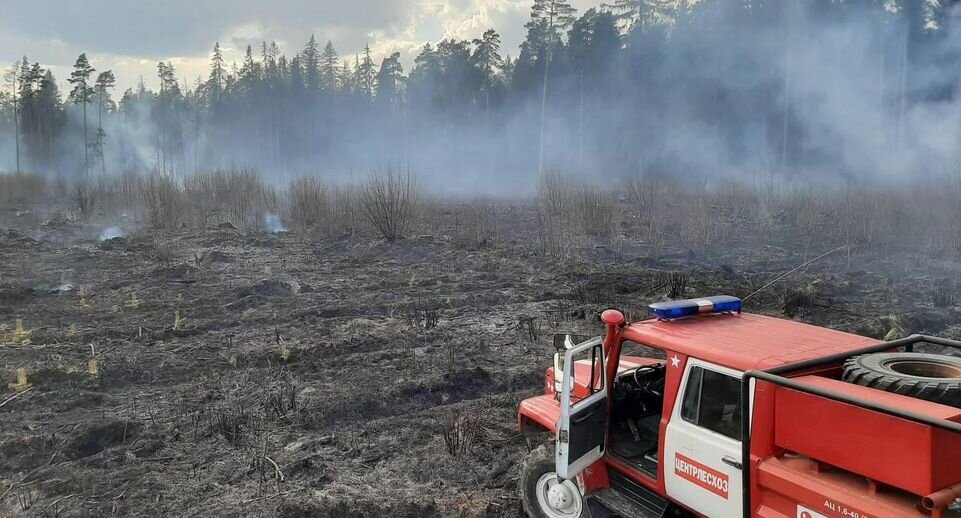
x=281, y=286
x=114, y=243
x=11, y=293
x=264, y=291
x=98, y=437
x=212, y=257
x=176, y=273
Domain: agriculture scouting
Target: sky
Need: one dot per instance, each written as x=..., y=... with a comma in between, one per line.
x=130, y=37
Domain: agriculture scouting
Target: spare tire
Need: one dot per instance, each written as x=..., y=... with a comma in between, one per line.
x=933, y=377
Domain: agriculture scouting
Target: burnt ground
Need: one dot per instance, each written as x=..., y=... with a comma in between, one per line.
x=344, y=376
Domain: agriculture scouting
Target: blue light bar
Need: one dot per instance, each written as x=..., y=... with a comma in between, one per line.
x=691, y=307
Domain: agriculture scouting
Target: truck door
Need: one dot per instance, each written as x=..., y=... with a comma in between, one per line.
x=702, y=448
x=582, y=426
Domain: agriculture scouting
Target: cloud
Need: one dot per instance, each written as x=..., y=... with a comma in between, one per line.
x=131, y=37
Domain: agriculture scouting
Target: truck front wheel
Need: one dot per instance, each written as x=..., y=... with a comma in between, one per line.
x=543, y=494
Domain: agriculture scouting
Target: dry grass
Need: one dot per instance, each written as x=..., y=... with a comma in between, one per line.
x=308, y=205
x=390, y=200
x=555, y=196
x=85, y=199
x=239, y=197
x=22, y=189
x=346, y=212
x=662, y=215
x=475, y=224
x=595, y=211
x=568, y=209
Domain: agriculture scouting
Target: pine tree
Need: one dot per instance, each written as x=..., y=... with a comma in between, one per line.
x=554, y=16
x=388, y=77
x=50, y=112
x=487, y=60
x=558, y=14
x=366, y=76
x=81, y=94
x=11, y=78
x=105, y=81
x=217, y=79
x=328, y=67
x=346, y=78
x=311, y=63
x=641, y=14
x=166, y=106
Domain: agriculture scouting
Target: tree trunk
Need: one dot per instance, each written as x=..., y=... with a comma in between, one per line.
x=103, y=159
x=16, y=119
x=86, y=151
x=580, y=125
x=547, y=65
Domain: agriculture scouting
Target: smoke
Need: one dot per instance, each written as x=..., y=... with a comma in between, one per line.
x=273, y=224
x=111, y=233
x=853, y=92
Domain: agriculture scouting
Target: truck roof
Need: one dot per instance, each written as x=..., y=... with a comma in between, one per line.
x=744, y=341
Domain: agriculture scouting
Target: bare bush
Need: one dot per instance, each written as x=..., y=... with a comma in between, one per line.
x=162, y=201
x=475, y=225
x=677, y=284
x=555, y=196
x=390, y=200
x=235, y=196
x=281, y=400
x=943, y=295
x=116, y=194
x=233, y=424
x=346, y=213
x=308, y=204
x=698, y=221
x=644, y=197
x=595, y=211
x=556, y=193
x=421, y=315
x=796, y=301
x=24, y=188
x=84, y=201
x=461, y=432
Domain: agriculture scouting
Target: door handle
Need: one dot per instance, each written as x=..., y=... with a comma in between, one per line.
x=731, y=461
x=582, y=417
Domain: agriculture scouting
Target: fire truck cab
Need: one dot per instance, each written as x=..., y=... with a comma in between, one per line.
x=707, y=411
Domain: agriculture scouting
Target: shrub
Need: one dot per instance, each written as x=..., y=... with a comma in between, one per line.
x=595, y=211
x=308, y=204
x=390, y=200
x=84, y=200
x=162, y=201
x=235, y=196
x=554, y=207
x=22, y=188
x=344, y=207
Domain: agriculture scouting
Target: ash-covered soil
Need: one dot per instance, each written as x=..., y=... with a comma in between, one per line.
x=254, y=374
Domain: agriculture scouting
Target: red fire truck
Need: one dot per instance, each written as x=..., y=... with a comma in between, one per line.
x=707, y=411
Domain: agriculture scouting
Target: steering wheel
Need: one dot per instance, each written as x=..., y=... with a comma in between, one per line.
x=645, y=385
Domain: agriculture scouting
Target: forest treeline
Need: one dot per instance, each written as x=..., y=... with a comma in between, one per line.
x=635, y=86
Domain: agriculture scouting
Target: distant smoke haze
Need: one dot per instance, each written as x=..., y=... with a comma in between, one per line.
x=782, y=91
